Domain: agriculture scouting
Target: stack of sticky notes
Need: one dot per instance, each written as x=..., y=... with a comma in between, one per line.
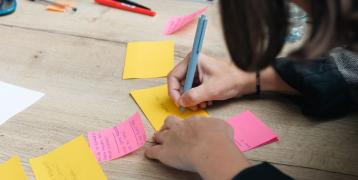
x=12, y=170
x=250, y=132
x=150, y=59
x=157, y=105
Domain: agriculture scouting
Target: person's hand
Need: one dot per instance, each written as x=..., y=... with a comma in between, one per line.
x=217, y=79
x=198, y=144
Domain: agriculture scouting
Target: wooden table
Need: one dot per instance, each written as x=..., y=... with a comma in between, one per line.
x=77, y=60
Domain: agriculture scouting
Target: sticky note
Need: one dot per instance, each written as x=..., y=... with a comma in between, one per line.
x=148, y=59
x=177, y=22
x=250, y=132
x=111, y=143
x=14, y=99
x=12, y=170
x=157, y=105
x=74, y=160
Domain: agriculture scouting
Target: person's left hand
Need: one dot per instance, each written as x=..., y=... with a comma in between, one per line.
x=198, y=144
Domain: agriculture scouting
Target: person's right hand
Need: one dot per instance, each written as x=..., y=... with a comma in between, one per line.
x=218, y=80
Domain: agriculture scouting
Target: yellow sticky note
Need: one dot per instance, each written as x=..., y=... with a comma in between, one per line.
x=157, y=105
x=148, y=59
x=73, y=160
x=12, y=170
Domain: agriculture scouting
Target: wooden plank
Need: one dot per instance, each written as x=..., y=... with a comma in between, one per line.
x=84, y=91
x=93, y=20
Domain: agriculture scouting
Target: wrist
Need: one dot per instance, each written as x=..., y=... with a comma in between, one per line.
x=245, y=82
x=271, y=81
x=225, y=162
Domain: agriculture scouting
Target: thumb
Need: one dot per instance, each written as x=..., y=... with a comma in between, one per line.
x=153, y=152
x=194, y=96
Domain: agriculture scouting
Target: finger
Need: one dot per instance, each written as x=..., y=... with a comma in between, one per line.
x=153, y=152
x=202, y=105
x=210, y=103
x=175, y=77
x=194, y=108
x=182, y=83
x=195, y=96
x=169, y=122
x=158, y=138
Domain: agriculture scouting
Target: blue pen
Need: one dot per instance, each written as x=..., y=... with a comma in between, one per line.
x=198, y=43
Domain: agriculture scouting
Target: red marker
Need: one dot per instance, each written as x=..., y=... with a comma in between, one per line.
x=126, y=7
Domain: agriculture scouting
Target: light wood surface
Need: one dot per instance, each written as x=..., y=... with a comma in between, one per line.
x=77, y=59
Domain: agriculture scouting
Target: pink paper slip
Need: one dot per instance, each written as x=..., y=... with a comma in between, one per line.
x=177, y=22
x=111, y=143
x=250, y=132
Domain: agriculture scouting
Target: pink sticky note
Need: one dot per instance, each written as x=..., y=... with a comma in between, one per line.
x=111, y=143
x=177, y=22
x=250, y=132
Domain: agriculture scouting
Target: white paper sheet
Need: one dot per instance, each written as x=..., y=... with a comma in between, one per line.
x=14, y=99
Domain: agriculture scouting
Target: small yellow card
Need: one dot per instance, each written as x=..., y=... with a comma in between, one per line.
x=73, y=160
x=148, y=59
x=12, y=170
x=157, y=105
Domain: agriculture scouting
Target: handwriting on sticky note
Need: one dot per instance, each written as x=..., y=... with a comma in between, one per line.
x=177, y=22
x=250, y=132
x=157, y=105
x=118, y=141
x=12, y=169
x=74, y=160
x=148, y=59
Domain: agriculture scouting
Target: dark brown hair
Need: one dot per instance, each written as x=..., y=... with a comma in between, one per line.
x=255, y=30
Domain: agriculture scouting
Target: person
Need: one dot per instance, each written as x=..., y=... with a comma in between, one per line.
x=324, y=77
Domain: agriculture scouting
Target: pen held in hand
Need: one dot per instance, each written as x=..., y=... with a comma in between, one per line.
x=197, y=45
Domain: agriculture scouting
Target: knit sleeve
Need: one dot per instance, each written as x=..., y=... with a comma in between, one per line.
x=325, y=93
x=261, y=171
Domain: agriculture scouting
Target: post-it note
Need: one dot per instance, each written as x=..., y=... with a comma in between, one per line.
x=74, y=160
x=177, y=22
x=250, y=132
x=157, y=105
x=14, y=99
x=148, y=59
x=12, y=170
x=111, y=143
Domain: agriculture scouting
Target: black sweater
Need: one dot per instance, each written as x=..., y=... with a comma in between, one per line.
x=261, y=171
